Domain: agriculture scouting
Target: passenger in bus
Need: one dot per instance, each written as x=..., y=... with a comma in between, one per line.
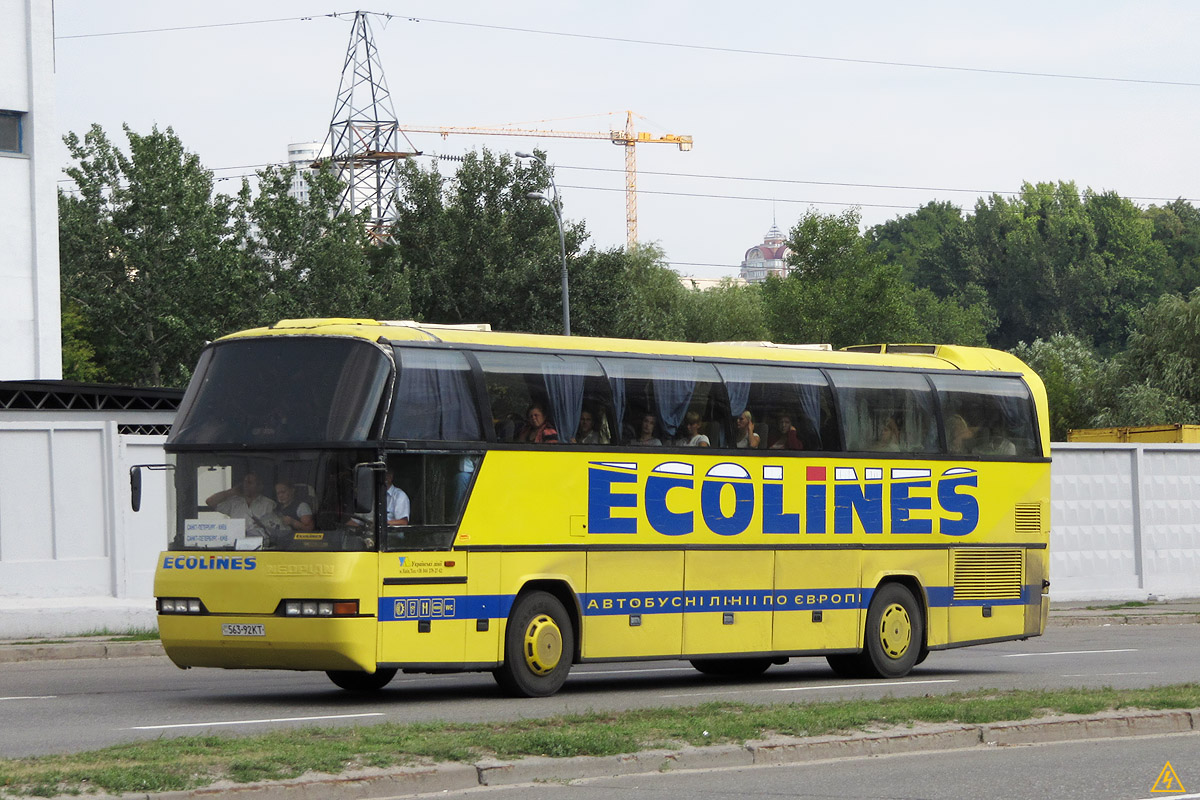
x=245, y=502
x=692, y=437
x=785, y=437
x=398, y=506
x=890, y=438
x=538, y=429
x=745, y=435
x=292, y=510
x=646, y=437
x=959, y=435
x=587, y=433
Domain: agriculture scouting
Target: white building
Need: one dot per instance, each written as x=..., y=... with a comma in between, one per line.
x=30, y=340
x=301, y=156
x=768, y=258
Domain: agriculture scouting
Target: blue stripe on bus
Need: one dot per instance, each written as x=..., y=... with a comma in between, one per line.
x=599, y=604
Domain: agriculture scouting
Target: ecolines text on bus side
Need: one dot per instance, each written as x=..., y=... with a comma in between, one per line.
x=673, y=501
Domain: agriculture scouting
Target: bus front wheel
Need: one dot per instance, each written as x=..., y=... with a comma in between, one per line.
x=361, y=681
x=539, y=644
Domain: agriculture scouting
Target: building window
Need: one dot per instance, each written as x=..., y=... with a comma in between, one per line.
x=10, y=131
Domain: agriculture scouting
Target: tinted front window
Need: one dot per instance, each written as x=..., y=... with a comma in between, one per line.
x=284, y=391
x=296, y=500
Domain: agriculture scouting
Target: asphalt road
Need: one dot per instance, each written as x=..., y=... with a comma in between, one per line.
x=73, y=705
x=1111, y=769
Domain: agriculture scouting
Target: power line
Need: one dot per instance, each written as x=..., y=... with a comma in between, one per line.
x=807, y=56
x=660, y=43
x=193, y=27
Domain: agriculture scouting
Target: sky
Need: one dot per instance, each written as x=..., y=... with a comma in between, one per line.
x=793, y=106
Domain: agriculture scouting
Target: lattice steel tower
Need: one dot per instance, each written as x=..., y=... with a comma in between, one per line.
x=364, y=136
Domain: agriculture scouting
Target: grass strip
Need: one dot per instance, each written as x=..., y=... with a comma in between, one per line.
x=196, y=761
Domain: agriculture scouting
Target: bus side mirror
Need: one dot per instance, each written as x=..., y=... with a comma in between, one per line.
x=135, y=488
x=364, y=485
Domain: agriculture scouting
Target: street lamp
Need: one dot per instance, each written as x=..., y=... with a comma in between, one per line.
x=553, y=202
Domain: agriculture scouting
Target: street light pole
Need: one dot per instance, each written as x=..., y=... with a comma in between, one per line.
x=562, y=239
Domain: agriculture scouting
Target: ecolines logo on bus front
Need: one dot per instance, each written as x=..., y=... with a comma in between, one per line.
x=210, y=562
x=666, y=498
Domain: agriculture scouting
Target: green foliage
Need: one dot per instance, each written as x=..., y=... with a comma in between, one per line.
x=315, y=260
x=841, y=291
x=78, y=355
x=1075, y=376
x=726, y=313
x=147, y=256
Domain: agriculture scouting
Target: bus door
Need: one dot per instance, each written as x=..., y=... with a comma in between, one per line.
x=425, y=613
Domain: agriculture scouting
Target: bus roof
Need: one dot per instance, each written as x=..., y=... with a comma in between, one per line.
x=914, y=356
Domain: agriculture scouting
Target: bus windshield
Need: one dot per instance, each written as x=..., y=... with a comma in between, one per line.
x=283, y=390
x=291, y=500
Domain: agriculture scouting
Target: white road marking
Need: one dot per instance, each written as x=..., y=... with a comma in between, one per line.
x=1068, y=653
x=32, y=697
x=1104, y=674
x=1173, y=797
x=814, y=688
x=251, y=721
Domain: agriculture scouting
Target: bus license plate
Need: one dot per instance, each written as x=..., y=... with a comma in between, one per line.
x=238, y=629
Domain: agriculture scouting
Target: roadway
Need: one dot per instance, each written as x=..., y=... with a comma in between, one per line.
x=82, y=704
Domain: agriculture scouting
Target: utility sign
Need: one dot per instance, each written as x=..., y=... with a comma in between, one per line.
x=1168, y=781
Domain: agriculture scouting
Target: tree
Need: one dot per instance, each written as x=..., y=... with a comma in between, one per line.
x=726, y=313
x=840, y=292
x=476, y=249
x=316, y=260
x=148, y=256
x=1055, y=261
x=1164, y=352
x=1076, y=379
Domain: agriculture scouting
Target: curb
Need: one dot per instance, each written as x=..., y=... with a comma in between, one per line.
x=65, y=650
x=1073, y=621
x=363, y=784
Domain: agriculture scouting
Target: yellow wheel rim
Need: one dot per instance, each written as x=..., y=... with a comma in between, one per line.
x=543, y=645
x=895, y=631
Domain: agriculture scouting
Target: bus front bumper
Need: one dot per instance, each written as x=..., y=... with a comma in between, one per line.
x=269, y=642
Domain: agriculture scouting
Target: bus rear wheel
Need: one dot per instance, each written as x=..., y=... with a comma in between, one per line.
x=539, y=644
x=732, y=667
x=895, y=633
x=361, y=681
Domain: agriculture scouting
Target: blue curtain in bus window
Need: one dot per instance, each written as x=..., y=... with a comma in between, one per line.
x=564, y=389
x=737, y=386
x=433, y=398
x=615, y=370
x=810, y=404
x=673, y=393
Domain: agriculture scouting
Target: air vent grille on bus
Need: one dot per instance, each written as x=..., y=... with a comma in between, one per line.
x=1028, y=518
x=988, y=574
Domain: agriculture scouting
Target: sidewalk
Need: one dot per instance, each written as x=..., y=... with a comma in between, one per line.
x=46, y=647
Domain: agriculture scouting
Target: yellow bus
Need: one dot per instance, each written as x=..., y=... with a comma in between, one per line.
x=363, y=497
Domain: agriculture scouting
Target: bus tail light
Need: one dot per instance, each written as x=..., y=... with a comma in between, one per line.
x=318, y=608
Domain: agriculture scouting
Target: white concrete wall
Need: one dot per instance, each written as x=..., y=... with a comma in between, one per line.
x=66, y=528
x=30, y=324
x=1125, y=521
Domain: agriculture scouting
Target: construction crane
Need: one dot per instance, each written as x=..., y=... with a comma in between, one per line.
x=629, y=138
